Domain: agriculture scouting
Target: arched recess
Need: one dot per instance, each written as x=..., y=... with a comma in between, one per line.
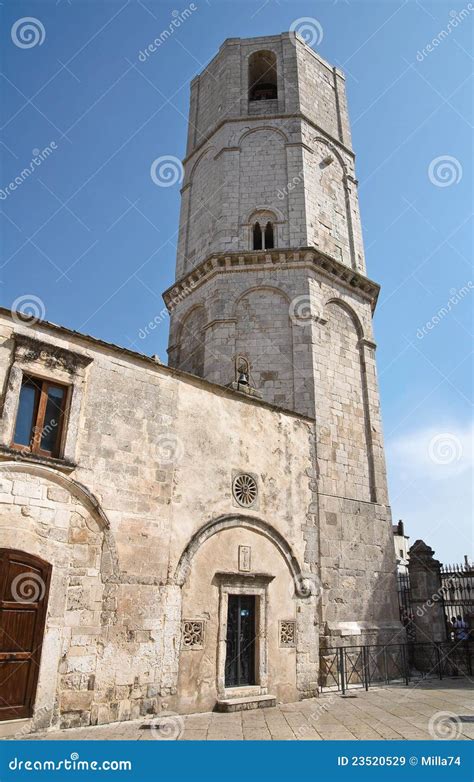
x=72, y=532
x=204, y=206
x=277, y=214
x=351, y=312
x=77, y=489
x=264, y=335
x=262, y=76
x=261, y=129
x=191, y=341
x=341, y=339
x=263, y=149
x=327, y=169
x=302, y=582
x=259, y=288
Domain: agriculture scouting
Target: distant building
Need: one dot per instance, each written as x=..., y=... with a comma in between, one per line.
x=401, y=544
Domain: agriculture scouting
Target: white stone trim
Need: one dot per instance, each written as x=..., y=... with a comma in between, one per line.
x=240, y=584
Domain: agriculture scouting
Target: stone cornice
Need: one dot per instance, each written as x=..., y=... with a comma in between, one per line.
x=367, y=343
x=29, y=349
x=303, y=257
x=218, y=322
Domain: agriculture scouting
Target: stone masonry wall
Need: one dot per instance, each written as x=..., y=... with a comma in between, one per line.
x=309, y=342
x=244, y=156
x=153, y=462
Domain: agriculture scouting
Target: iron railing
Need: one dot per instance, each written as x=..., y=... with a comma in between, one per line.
x=457, y=583
x=345, y=667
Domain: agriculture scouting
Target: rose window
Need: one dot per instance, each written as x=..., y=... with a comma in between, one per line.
x=245, y=490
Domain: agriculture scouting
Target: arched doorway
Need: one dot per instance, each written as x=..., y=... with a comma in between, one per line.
x=24, y=589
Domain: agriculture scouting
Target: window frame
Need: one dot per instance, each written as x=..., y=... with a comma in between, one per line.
x=43, y=385
x=263, y=226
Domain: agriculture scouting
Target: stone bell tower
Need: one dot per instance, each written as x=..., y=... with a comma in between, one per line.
x=271, y=274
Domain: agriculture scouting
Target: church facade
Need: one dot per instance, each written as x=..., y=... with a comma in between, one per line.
x=193, y=536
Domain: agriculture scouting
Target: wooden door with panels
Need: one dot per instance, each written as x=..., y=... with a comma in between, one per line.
x=24, y=590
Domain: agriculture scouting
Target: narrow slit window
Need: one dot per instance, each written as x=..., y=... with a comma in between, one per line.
x=40, y=416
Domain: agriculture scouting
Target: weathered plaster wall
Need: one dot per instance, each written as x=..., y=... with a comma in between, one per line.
x=201, y=601
x=155, y=456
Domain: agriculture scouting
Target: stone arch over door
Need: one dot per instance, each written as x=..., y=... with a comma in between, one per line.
x=58, y=520
x=210, y=575
x=302, y=586
x=24, y=592
x=263, y=334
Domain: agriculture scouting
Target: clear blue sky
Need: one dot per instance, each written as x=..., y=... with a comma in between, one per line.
x=94, y=238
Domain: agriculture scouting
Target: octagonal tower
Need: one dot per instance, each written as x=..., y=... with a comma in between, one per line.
x=271, y=286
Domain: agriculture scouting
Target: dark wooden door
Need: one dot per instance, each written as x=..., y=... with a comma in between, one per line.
x=240, y=656
x=24, y=588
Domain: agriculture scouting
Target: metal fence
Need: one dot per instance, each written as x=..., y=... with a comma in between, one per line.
x=457, y=583
x=457, y=593
x=347, y=667
x=404, y=605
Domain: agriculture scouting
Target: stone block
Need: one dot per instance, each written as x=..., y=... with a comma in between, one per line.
x=71, y=700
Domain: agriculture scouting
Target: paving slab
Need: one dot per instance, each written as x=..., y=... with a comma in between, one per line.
x=425, y=710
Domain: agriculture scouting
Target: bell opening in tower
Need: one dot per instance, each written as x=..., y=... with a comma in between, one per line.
x=263, y=76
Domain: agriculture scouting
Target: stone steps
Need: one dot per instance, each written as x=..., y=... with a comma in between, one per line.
x=244, y=704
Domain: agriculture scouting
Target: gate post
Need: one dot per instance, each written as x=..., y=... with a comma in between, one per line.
x=426, y=602
x=342, y=669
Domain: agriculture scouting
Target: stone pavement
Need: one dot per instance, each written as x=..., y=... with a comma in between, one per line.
x=430, y=710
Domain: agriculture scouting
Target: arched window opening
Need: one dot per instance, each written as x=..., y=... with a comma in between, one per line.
x=269, y=244
x=262, y=76
x=257, y=237
x=263, y=236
